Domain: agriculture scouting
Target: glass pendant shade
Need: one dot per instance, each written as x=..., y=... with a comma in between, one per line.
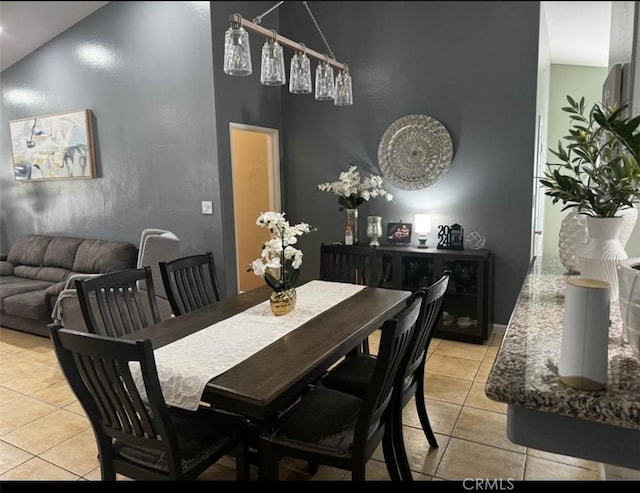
x=324, y=82
x=272, y=72
x=300, y=74
x=344, y=93
x=237, y=55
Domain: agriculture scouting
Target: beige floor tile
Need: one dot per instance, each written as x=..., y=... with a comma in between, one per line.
x=5, y=356
x=47, y=431
x=452, y=366
x=8, y=395
x=78, y=454
x=537, y=469
x=423, y=459
x=17, y=367
x=433, y=345
x=375, y=470
x=35, y=380
x=47, y=357
x=564, y=459
x=464, y=459
x=21, y=411
x=478, y=399
x=218, y=472
x=442, y=416
x=448, y=389
x=484, y=427
x=491, y=353
x=484, y=371
x=11, y=456
x=496, y=337
x=75, y=407
x=462, y=350
x=38, y=469
x=96, y=475
x=59, y=394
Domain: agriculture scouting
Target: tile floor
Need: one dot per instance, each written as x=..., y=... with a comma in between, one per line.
x=44, y=434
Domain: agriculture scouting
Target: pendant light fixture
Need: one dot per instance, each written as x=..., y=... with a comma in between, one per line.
x=237, y=60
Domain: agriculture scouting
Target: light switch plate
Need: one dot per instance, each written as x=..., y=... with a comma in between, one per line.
x=207, y=207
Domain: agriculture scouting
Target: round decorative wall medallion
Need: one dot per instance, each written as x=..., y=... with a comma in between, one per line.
x=414, y=152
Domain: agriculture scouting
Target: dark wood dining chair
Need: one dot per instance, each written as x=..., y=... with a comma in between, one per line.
x=348, y=263
x=190, y=282
x=355, y=374
x=326, y=426
x=114, y=305
x=138, y=435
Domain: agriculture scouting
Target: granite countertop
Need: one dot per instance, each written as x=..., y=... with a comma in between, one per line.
x=525, y=370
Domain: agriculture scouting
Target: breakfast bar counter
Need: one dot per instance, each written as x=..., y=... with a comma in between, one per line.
x=543, y=412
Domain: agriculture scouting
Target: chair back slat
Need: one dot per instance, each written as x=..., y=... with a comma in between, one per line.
x=394, y=342
x=430, y=313
x=190, y=282
x=113, y=305
x=352, y=266
x=98, y=369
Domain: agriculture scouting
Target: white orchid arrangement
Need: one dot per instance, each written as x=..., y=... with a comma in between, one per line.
x=279, y=263
x=352, y=191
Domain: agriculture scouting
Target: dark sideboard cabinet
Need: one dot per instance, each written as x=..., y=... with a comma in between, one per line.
x=468, y=304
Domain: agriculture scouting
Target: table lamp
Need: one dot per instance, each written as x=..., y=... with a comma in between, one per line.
x=423, y=226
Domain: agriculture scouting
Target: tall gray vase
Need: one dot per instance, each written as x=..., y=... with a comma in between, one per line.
x=352, y=220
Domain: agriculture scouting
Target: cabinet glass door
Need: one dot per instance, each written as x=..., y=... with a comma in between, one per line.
x=417, y=272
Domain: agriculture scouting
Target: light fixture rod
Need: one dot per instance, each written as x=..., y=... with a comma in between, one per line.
x=258, y=19
x=268, y=33
x=313, y=18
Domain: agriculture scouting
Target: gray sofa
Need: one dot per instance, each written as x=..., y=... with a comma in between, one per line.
x=37, y=267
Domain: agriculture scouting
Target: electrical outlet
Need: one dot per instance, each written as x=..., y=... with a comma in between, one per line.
x=207, y=207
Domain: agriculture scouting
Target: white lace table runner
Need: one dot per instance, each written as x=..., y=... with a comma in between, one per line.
x=186, y=365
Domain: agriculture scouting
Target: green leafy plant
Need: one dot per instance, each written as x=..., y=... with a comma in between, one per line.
x=599, y=170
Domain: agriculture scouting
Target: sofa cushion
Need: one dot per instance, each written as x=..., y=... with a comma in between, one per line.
x=53, y=274
x=18, y=288
x=29, y=250
x=26, y=271
x=102, y=256
x=34, y=305
x=61, y=252
x=10, y=279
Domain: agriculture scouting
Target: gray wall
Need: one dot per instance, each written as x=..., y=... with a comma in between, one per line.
x=239, y=100
x=473, y=67
x=161, y=124
x=154, y=127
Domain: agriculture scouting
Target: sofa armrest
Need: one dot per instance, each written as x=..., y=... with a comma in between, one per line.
x=6, y=268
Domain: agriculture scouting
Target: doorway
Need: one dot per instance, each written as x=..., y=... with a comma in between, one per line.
x=255, y=167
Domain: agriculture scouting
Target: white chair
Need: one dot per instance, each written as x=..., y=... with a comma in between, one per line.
x=156, y=245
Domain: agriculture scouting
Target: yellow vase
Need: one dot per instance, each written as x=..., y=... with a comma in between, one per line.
x=283, y=302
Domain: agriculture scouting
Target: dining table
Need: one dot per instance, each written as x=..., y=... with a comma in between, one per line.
x=271, y=378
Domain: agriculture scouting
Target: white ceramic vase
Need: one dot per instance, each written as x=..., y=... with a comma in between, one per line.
x=629, y=297
x=629, y=218
x=599, y=257
x=585, y=334
x=572, y=237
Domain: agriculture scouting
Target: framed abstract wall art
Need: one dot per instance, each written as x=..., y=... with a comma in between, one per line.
x=53, y=147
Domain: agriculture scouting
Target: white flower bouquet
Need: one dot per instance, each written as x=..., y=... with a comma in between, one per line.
x=352, y=191
x=279, y=263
